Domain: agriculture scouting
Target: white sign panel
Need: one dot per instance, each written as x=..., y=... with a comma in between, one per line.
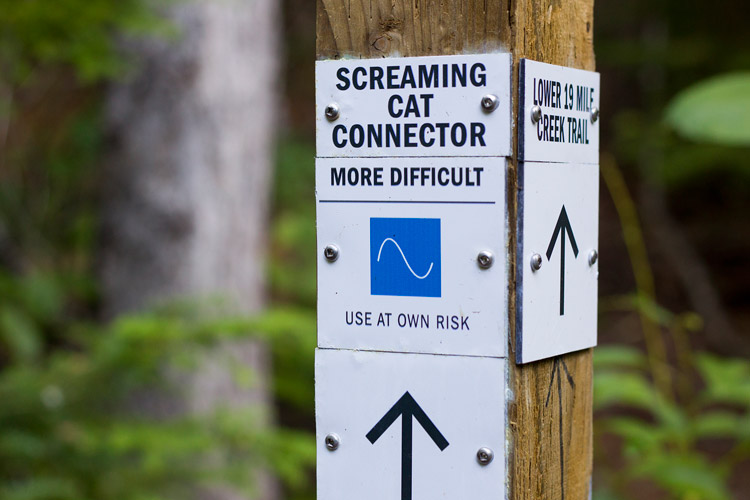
x=558, y=115
x=409, y=426
x=411, y=236
x=557, y=261
x=414, y=106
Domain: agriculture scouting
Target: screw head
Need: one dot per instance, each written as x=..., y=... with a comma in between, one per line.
x=485, y=456
x=331, y=253
x=490, y=103
x=485, y=259
x=536, y=262
x=333, y=441
x=536, y=114
x=593, y=257
x=594, y=114
x=332, y=111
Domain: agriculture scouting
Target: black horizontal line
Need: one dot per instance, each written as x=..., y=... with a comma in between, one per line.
x=430, y=202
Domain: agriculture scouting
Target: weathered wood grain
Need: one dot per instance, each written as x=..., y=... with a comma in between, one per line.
x=544, y=464
x=377, y=28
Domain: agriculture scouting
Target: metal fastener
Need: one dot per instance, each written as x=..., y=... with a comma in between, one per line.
x=594, y=114
x=485, y=456
x=536, y=262
x=593, y=257
x=490, y=102
x=333, y=441
x=536, y=114
x=485, y=259
x=331, y=253
x=332, y=111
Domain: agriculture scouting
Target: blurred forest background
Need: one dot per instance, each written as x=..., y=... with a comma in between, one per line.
x=157, y=244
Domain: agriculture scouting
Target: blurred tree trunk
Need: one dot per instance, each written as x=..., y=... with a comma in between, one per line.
x=187, y=183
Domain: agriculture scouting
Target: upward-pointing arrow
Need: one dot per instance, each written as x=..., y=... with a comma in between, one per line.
x=556, y=374
x=562, y=227
x=407, y=408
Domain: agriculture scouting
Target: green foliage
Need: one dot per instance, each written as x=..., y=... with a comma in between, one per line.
x=713, y=114
x=619, y=356
x=671, y=418
x=716, y=110
x=47, y=198
x=661, y=438
x=292, y=265
x=80, y=34
x=90, y=411
x=34, y=307
x=79, y=425
x=71, y=428
x=682, y=161
x=727, y=380
x=293, y=375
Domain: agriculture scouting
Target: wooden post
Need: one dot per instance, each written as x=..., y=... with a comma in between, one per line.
x=544, y=463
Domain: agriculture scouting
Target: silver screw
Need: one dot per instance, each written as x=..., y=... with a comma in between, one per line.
x=485, y=259
x=536, y=114
x=485, y=456
x=332, y=112
x=594, y=114
x=536, y=262
x=490, y=102
x=333, y=441
x=593, y=257
x=331, y=253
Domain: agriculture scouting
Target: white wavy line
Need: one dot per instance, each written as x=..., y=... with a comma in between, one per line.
x=404, y=257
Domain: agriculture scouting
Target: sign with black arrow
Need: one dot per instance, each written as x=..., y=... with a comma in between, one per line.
x=408, y=426
x=408, y=410
x=557, y=264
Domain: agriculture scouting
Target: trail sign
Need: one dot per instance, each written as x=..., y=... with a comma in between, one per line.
x=409, y=426
x=414, y=106
x=557, y=259
x=421, y=262
x=558, y=113
x=368, y=259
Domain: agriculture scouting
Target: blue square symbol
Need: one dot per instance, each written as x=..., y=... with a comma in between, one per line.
x=405, y=257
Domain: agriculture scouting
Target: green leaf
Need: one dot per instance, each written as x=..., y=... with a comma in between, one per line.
x=719, y=424
x=727, y=380
x=619, y=356
x=638, y=435
x=716, y=110
x=630, y=389
x=636, y=391
x=684, y=475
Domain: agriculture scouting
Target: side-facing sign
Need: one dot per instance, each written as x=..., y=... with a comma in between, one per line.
x=558, y=215
x=417, y=260
x=409, y=426
x=558, y=114
x=557, y=259
x=414, y=106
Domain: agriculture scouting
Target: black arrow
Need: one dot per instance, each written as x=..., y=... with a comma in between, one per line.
x=556, y=372
x=562, y=227
x=407, y=408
